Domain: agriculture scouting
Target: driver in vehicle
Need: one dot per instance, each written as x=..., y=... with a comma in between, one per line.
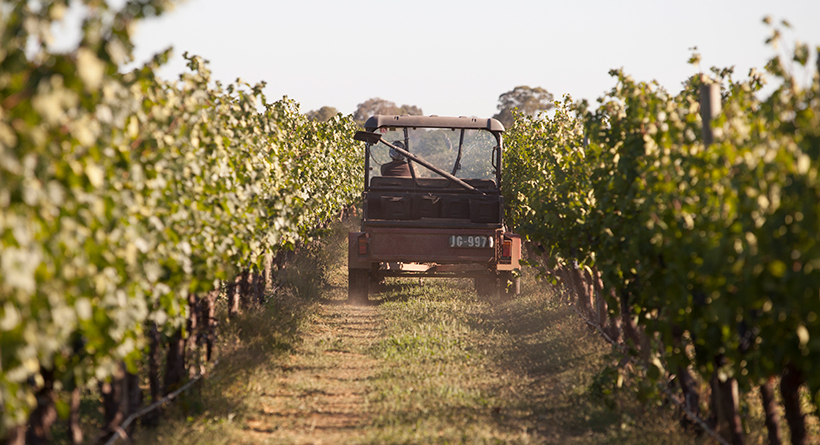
x=398, y=167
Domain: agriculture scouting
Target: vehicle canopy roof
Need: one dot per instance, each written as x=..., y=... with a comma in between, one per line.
x=405, y=120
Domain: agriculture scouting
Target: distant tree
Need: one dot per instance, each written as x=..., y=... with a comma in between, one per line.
x=527, y=100
x=378, y=105
x=322, y=114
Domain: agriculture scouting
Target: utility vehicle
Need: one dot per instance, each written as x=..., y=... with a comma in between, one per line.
x=441, y=214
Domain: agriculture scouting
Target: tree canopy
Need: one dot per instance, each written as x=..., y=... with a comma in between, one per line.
x=527, y=100
x=322, y=114
x=378, y=105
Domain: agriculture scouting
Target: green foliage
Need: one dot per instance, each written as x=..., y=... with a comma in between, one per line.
x=120, y=194
x=547, y=181
x=715, y=249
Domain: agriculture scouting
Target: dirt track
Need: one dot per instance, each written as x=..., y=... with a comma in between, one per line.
x=424, y=362
x=427, y=363
x=320, y=395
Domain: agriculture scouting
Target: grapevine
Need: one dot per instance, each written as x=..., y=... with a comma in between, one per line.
x=711, y=251
x=125, y=198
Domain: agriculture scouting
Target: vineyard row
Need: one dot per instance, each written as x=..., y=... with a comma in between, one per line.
x=692, y=236
x=128, y=202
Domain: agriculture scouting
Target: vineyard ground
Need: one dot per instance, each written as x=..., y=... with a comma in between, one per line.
x=425, y=362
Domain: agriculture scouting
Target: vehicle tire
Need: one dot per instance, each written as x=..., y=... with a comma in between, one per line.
x=508, y=284
x=358, y=283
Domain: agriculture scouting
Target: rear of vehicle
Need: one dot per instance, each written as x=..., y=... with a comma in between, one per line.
x=442, y=216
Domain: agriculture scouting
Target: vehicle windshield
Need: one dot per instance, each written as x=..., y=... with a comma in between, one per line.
x=438, y=146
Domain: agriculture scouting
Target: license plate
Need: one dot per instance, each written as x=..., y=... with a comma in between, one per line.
x=471, y=241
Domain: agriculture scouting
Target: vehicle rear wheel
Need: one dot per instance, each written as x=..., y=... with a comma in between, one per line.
x=509, y=284
x=358, y=283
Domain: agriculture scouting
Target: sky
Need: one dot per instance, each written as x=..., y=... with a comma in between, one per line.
x=454, y=58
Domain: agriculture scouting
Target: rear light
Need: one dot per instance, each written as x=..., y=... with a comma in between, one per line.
x=506, y=248
x=363, y=245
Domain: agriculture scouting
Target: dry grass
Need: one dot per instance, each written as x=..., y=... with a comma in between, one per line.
x=250, y=346
x=254, y=351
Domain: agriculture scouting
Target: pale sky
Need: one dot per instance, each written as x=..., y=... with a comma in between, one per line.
x=457, y=57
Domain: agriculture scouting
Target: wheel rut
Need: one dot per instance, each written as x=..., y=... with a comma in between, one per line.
x=319, y=397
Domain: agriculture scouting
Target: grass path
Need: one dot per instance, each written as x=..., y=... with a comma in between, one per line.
x=461, y=369
x=423, y=363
